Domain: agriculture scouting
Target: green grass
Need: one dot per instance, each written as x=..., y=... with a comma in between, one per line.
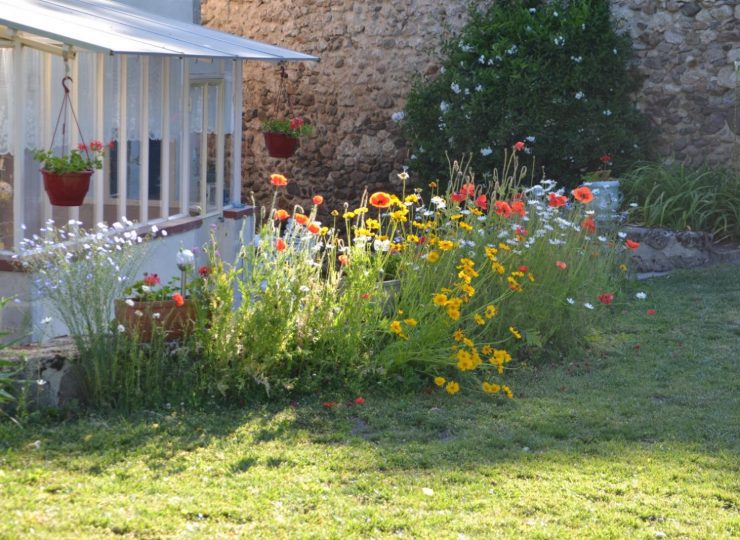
x=621, y=442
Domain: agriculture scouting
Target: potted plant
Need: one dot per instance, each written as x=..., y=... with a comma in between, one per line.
x=67, y=177
x=149, y=304
x=281, y=136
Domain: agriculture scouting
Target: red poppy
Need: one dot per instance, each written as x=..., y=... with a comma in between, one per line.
x=519, y=146
x=151, y=279
x=281, y=215
x=179, y=300
x=651, y=311
x=314, y=228
x=556, y=201
x=518, y=208
x=317, y=200
x=301, y=219
x=589, y=225
x=521, y=231
x=561, y=265
x=482, y=202
x=365, y=296
x=359, y=401
x=523, y=268
x=606, y=158
x=503, y=208
x=343, y=260
x=380, y=199
x=204, y=270
x=280, y=244
x=631, y=244
x=278, y=180
x=468, y=190
x=606, y=298
x=458, y=197
x=583, y=195
x=328, y=404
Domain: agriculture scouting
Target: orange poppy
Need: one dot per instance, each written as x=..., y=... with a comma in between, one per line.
x=314, y=228
x=561, y=265
x=583, y=195
x=556, y=201
x=631, y=244
x=482, y=202
x=503, y=208
x=589, y=225
x=380, y=199
x=179, y=300
x=278, y=180
x=343, y=260
x=280, y=244
x=281, y=215
x=317, y=200
x=518, y=208
x=301, y=219
x=519, y=146
x=468, y=190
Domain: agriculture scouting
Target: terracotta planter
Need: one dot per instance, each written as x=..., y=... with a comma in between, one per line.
x=280, y=145
x=67, y=189
x=142, y=318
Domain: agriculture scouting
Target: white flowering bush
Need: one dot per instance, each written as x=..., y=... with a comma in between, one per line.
x=554, y=75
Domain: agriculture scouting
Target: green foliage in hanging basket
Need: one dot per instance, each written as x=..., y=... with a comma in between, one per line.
x=295, y=127
x=74, y=161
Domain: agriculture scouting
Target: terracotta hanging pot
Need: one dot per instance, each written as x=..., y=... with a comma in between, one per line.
x=143, y=317
x=66, y=189
x=280, y=145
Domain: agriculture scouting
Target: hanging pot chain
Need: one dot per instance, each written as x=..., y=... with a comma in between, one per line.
x=282, y=94
x=66, y=102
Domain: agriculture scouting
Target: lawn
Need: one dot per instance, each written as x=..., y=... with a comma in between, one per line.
x=635, y=438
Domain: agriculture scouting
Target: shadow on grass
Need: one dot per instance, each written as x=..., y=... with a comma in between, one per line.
x=667, y=377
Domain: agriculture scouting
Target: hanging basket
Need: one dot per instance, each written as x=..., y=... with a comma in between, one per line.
x=67, y=189
x=280, y=145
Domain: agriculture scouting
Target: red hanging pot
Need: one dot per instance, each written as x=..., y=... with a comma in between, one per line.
x=280, y=145
x=66, y=189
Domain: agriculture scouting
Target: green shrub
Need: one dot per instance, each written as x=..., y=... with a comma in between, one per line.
x=555, y=75
x=684, y=198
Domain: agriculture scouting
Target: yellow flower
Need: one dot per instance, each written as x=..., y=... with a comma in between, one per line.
x=468, y=342
x=507, y=391
x=491, y=253
x=515, y=332
x=467, y=289
x=498, y=268
x=372, y=224
x=439, y=299
x=453, y=313
x=530, y=277
x=476, y=212
x=458, y=335
x=411, y=198
x=517, y=274
x=396, y=327
x=623, y=267
x=479, y=320
x=400, y=215
x=334, y=213
x=433, y=256
x=464, y=360
x=445, y=245
x=487, y=350
x=454, y=303
x=410, y=322
x=490, y=388
x=500, y=356
x=348, y=215
x=490, y=311
x=362, y=210
x=412, y=238
x=456, y=217
x=439, y=381
x=433, y=185
x=452, y=388
x=503, y=246
x=464, y=226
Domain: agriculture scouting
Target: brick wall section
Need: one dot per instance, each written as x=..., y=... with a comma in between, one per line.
x=371, y=50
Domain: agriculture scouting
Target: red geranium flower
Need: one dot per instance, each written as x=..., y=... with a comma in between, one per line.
x=606, y=298
x=503, y=208
x=380, y=199
x=281, y=215
x=583, y=194
x=317, y=199
x=519, y=146
x=631, y=244
x=278, y=180
x=296, y=123
x=179, y=300
x=482, y=202
x=556, y=201
x=151, y=279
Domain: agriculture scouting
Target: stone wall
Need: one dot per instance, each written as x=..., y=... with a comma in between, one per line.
x=371, y=50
